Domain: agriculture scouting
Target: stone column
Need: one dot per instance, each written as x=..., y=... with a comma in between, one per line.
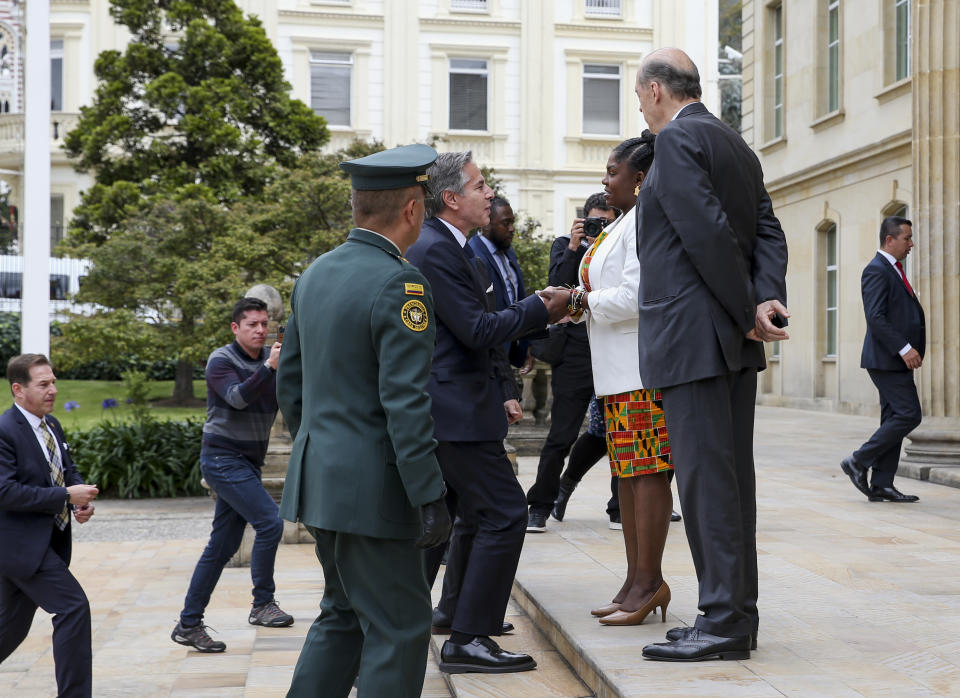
x=936, y=219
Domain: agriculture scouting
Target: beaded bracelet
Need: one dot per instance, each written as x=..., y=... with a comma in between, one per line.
x=575, y=305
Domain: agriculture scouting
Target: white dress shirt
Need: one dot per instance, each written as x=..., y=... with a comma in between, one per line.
x=34, y=422
x=461, y=238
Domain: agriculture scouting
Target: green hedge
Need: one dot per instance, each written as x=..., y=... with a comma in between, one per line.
x=148, y=458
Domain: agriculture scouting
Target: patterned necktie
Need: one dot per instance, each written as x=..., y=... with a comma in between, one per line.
x=511, y=277
x=903, y=275
x=56, y=471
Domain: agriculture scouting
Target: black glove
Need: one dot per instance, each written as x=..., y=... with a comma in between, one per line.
x=435, y=522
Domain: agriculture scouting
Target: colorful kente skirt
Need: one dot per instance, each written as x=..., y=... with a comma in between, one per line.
x=637, y=440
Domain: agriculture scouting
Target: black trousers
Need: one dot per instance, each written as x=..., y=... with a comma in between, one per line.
x=374, y=622
x=586, y=452
x=572, y=390
x=899, y=415
x=54, y=589
x=485, y=496
x=710, y=422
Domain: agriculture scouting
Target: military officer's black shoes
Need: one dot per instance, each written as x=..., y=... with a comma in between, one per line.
x=698, y=646
x=483, y=656
x=857, y=474
x=440, y=625
x=684, y=632
x=890, y=494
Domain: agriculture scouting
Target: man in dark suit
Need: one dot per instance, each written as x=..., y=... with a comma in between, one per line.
x=713, y=265
x=470, y=414
x=363, y=476
x=493, y=246
x=39, y=486
x=892, y=349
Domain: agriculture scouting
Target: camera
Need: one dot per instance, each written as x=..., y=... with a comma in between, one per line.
x=593, y=226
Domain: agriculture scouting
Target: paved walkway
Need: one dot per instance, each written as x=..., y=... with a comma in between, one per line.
x=856, y=598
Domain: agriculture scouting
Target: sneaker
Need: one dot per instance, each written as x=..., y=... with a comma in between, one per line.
x=197, y=638
x=537, y=522
x=615, y=523
x=269, y=615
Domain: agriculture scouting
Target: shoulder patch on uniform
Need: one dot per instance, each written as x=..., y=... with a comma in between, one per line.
x=413, y=289
x=414, y=315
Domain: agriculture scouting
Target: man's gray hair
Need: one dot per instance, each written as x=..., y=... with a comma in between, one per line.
x=680, y=83
x=446, y=174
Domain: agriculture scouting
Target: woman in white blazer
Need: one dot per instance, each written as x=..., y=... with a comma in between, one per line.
x=637, y=442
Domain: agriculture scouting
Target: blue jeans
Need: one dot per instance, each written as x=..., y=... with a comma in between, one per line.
x=241, y=498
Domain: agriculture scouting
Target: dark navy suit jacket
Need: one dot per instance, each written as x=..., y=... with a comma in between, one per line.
x=464, y=385
x=894, y=317
x=517, y=349
x=29, y=500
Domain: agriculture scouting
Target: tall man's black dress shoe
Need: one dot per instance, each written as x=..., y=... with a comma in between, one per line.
x=699, y=646
x=482, y=656
x=683, y=633
x=857, y=474
x=440, y=625
x=890, y=494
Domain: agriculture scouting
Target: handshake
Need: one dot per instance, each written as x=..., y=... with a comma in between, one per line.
x=556, y=299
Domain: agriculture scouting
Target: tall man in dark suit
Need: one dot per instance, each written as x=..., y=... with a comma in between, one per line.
x=470, y=414
x=39, y=486
x=892, y=349
x=493, y=246
x=713, y=259
x=363, y=476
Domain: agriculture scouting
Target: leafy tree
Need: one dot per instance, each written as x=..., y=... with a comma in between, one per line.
x=192, y=118
x=730, y=24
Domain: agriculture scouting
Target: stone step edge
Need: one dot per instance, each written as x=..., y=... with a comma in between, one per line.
x=582, y=664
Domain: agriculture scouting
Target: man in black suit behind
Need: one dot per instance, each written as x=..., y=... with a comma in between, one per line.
x=713, y=265
x=470, y=413
x=892, y=349
x=39, y=485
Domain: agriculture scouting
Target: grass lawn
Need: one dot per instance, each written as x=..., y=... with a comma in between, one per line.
x=89, y=395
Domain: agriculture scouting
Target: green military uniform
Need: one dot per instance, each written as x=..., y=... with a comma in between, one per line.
x=351, y=385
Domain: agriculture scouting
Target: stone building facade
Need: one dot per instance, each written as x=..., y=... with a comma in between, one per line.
x=853, y=107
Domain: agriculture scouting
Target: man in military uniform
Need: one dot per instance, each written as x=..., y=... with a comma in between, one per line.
x=363, y=476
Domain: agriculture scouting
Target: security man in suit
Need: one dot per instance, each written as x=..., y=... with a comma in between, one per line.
x=713, y=261
x=39, y=486
x=363, y=476
x=471, y=412
x=892, y=349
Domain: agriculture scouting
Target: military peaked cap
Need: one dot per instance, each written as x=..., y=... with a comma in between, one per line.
x=405, y=166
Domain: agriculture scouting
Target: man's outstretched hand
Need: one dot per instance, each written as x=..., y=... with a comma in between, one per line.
x=556, y=299
x=435, y=524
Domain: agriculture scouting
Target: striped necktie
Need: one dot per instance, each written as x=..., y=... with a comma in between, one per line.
x=56, y=471
x=511, y=280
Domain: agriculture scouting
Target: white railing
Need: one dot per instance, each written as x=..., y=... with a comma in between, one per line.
x=475, y=5
x=11, y=130
x=602, y=8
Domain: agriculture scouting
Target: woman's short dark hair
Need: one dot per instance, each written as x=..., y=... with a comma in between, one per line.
x=637, y=153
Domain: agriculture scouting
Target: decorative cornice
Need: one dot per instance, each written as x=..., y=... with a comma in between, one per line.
x=852, y=157
x=333, y=17
x=591, y=28
x=473, y=24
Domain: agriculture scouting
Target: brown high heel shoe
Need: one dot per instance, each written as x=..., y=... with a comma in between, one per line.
x=660, y=598
x=605, y=610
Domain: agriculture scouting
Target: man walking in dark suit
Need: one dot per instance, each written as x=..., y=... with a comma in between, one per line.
x=470, y=415
x=713, y=265
x=39, y=486
x=363, y=476
x=892, y=349
x=493, y=246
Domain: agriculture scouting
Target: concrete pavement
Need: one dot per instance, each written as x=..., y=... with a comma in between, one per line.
x=857, y=598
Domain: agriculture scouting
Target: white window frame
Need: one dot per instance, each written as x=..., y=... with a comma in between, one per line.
x=903, y=39
x=601, y=76
x=460, y=70
x=603, y=8
x=831, y=284
x=469, y=5
x=833, y=57
x=778, y=82
x=56, y=54
x=321, y=57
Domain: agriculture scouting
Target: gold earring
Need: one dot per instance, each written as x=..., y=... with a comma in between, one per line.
x=636, y=190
